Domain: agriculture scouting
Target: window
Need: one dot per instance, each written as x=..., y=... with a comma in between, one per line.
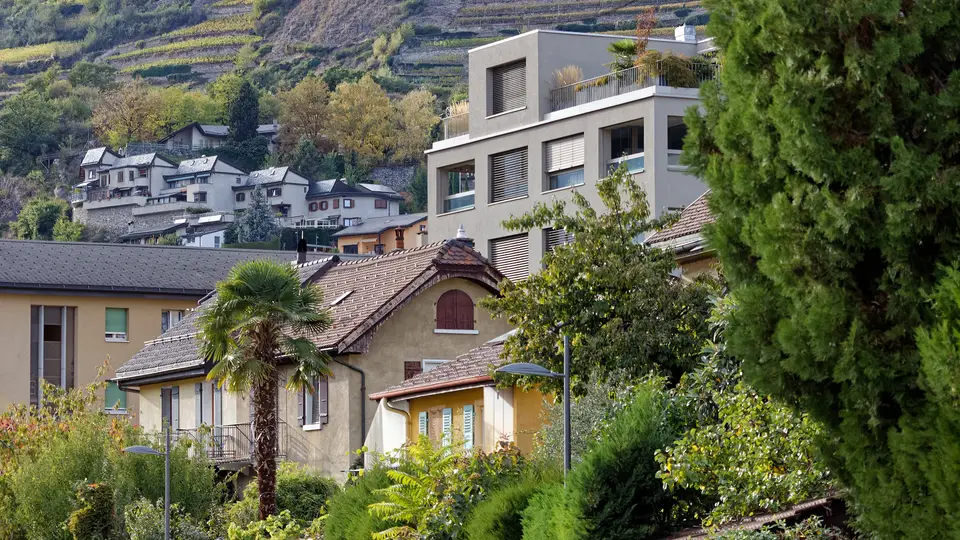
x=508, y=85
x=378, y=249
x=91, y=174
x=52, y=348
x=313, y=207
x=323, y=205
x=626, y=146
x=510, y=256
x=200, y=196
x=142, y=172
x=424, y=422
x=468, y=427
x=460, y=187
x=336, y=204
x=455, y=311
x=273, y=192
x=351, y=249
x=104, y=180
x=216, y=241
x=238, y=180
x=170, y=407
x=168, y=318
x=564, y=162
x=348, y=203
x=429, y=365
x=116, y=324
x=240, y=197
x=447, y=426
x=350, y=222
x=508, y=175
x=130, y=176
x=114, y=400
x=676, y=131
x=313, y=404
x=555, y=237
x=119, y=177
x=380, y=204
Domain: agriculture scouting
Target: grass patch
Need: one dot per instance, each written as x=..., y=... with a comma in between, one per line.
x=59, y=49
x=199, y=43
x=179, y=61
x=224, y=25
x=461, y=42
x=227, y=3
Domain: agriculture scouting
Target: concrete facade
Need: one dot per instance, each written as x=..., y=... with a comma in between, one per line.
x=649, y=110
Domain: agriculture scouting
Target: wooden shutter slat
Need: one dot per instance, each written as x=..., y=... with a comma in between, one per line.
x=447, y=426
x=511, y=256
x=509, y=87
x=323, y=404
x=564, y=154
x=464, y=306
x=468, y=426
x=508, y=175
x=301, y=407
x=423, y=423
x=411, y=369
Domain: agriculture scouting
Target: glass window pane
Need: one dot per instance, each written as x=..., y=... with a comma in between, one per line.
x=566, y=178
x=676, y=131
x=116, y=320
x=52, y=345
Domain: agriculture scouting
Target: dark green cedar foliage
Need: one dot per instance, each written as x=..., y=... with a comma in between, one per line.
x=243, y=113
x=830, y=145
x=347, y=515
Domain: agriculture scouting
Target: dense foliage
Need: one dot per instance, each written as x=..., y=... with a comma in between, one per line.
x=258, y=223
x=347, y=515
x=830, y=144
x=300, y=491
x=499, y=516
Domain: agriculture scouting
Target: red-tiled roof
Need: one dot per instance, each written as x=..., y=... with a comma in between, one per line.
x=471, y=367
x=692, y=219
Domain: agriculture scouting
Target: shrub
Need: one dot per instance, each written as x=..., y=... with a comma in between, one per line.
x=547, y=516
x=301, y=492
x=144, y=521
x=499, y=516
x=279, y=527
x=347, y=515
x=93, y=519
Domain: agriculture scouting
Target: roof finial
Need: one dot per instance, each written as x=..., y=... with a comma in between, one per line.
x=461, y=233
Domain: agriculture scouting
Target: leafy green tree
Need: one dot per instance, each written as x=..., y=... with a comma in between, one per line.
x=65, y=230
x=168, y=240
x=306, y=160
x=27, y=125
x=224, y=90
x=590, y=285
x=416, y=116
x=249, y=154
x=258, y=223
x=830, y=148
x=94, y=75
x=243, y=113
x=39, y=217
x=254, y=326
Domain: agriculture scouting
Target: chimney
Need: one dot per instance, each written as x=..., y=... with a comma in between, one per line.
x=301, y=251
x=462, y=236
x=399, y=233
x=685, y=33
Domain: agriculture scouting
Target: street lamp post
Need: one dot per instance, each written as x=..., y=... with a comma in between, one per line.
x=146, y=450
x=526, y=368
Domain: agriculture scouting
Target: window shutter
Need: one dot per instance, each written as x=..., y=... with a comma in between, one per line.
x=198, y=402
x=564, y=154
x=447, y=426
x=464, y=308
x=509, y=87
x=455, y=311
x=411, y=369
x=166, y=406
x=468, y=426
x=116, y=321
x=323, y=406
x=301, y=410
x=554, y=238
x=217, y=405
x=175, y=407
x=114, y=397
x=509, y=255
x=423, y=423
x=508, y=175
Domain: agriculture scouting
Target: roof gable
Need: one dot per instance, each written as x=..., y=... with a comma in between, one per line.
x=692, y=220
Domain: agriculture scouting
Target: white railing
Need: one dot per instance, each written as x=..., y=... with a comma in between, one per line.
x=304, y=223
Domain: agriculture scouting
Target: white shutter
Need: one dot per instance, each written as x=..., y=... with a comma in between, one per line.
x=509, y=87
x=508, y=175
x=555, y=237
x=175, y=408
x=447, y=426
x=423, y=423
x=468, y=426
x=564, y=153
x=510, y=256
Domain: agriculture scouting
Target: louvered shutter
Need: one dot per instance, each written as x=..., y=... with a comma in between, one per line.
x=175, y=407
x=510, y=256
x=564, y=154
x=554, y=238
x=508, y=175
x=166, y=405
x=323, y=406
x=423, y=423
x=198, y=402
x=464, y=308
x=509, y=87
x=447, y=311
x=301, y=407
x=447, y=426
x=468, y=426
x=412, y=369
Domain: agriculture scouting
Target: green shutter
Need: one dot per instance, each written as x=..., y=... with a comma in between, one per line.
x=116, y=321
x=115, y=398
x=468, y=426
x=423, y=423
x=447, y=427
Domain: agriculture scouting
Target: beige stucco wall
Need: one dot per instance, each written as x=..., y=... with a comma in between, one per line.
x=388, y=238
x=143, y=324
x=236, y=407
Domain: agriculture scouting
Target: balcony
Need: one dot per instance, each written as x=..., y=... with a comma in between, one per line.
x=630, y=80
x=304, y=223
x=110, y=202
x=154, y=208
x=78, y=197
x=456, y=125
x=230, y=444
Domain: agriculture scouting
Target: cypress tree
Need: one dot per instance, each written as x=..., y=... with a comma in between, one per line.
x=243, y=112
x=832, y=145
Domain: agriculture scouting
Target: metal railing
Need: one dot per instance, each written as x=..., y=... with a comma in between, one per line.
x=456, y=125
x=628, y=80
x=233, y=443
x=79, y=196
x=304, y=223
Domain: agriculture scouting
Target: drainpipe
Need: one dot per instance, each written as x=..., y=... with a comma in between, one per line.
x=363, y=396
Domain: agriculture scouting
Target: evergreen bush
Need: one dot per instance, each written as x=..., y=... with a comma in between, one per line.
x=347, y=515
x=300, y=491
x=499, y=516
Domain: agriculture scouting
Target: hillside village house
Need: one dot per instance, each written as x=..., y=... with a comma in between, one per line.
x=458, y=403
x=526, y=140
x=393, y=316
x=686, y=241
x=335, y=203
x=383, y=235
x=197, y=136
x=68, y=307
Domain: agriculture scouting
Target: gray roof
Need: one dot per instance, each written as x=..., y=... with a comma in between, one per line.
x=223, y=131
x=94, y=155
x=121, y=268
x=267, y=176
x=377, y=188
x=198, y=165
x=140, y=160
x=380, y=224
x=146, y=233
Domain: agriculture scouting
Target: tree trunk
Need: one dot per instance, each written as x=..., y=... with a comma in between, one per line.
x=265, y=430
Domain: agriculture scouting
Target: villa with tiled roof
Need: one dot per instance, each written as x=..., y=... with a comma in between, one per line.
x=686, y=240
x=393, y=316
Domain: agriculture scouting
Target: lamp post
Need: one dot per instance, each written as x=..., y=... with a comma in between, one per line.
x=526, y=368
x=146, y=450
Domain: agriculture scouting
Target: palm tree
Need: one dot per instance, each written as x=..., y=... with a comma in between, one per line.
x=254, y=324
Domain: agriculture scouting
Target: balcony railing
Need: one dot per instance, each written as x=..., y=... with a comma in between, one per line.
x=635, y=78
x=232, y=443
x=78, y=196
x=305, y=223
x=456, y=125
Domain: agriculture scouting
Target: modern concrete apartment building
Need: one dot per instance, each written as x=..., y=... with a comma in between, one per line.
x=527, y=140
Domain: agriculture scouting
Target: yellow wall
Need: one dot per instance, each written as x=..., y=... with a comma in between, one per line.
x=692, y=268
x=434, y=405
x=527, y=421
x=388, y=238
x=92, y=350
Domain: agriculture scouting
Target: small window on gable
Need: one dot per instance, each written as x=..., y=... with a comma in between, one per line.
x=455, y=311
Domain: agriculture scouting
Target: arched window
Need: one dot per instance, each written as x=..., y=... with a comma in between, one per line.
x=455, y=311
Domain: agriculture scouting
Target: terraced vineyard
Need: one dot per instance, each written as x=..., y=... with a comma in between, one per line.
x=54, y=49
x=224, y=25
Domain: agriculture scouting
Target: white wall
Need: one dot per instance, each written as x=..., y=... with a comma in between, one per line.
x=388, y=431
x=497, y=416
x=214, y=239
